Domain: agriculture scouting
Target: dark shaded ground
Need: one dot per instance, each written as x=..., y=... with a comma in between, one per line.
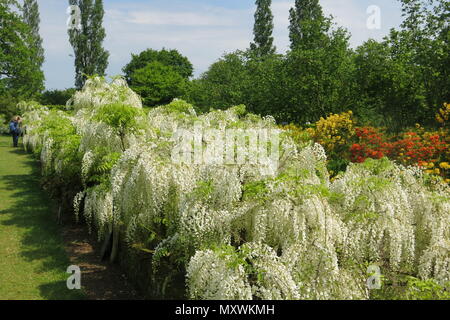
x=100, y=280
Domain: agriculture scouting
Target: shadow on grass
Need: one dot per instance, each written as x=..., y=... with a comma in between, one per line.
x=41, y=243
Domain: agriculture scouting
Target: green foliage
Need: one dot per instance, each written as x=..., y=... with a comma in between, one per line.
x=263, y=29
x=255, y=190
x=235, y=257
x=3, y=125
x=302, y=86
x=378, y=166
x=122, y=119
x=8, y=106
x=90, y=57
x=66, y=143
x=56, y=97
x=426, y=290
x=103, y=162
x=308, y=26
x=387, y=86
x=157, y=83
x=203, y=189
x=425, y=38
x=265, y=86
x=411, y=288
x=223, y=85
x=32, y=19
x=394, y=83
x=20, y=75
x=316, y=80
x=179, y=106
x=405, y=78
x=169, y=58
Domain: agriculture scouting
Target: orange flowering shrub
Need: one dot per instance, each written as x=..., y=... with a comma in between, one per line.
x=413, y=148
x=371, y=144
x=430, y=150
x=344, y=142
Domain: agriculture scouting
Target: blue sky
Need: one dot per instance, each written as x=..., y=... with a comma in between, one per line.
x=202, y=30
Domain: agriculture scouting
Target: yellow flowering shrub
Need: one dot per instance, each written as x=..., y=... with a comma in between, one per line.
x=443, y=118
x=335, y=132
x=443, y=115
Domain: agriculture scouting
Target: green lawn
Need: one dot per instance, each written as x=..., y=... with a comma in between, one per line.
x=33, y=262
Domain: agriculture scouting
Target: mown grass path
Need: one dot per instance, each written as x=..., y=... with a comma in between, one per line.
x=33, y=261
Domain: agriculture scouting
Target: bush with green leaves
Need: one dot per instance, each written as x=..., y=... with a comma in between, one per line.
x=169, y=58
x=122, y=119
x=277, y=230
x=56, y=97
x=157, y=84
x=4, y=128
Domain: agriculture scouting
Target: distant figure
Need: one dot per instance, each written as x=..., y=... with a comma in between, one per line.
x=14, y=129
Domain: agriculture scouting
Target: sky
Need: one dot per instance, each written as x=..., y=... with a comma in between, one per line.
x=202, y=30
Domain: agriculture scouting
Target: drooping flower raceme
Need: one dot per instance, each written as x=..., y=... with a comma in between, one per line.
x=273, y=229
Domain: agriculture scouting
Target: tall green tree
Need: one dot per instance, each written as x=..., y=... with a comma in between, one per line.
x=223, y=85
x=19, y=75
x=317, y=79
x=158, y=76
x=308, y=25
x=317, y=68
x=32, y=19
x=169, y=58
x=157, y=84
x=263, y=29
x=389, y=94
x=90, y=56
x=424, y=38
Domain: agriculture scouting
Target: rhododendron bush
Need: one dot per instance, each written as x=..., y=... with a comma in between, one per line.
x=271, y=230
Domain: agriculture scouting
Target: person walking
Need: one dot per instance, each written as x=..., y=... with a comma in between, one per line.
x=14, y=129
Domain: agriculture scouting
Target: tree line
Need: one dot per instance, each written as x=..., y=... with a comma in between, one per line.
x=22, y=52
x=394, y=83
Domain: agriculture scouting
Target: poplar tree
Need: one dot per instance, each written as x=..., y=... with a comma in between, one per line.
x=263, y=29
x=90, y=57
x=32, y=19
x=308, y=26
x=20, y=76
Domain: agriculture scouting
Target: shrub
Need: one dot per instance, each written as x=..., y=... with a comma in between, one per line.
x=157, y=84
x=56, y=97
x=279, y=230
x=122, y=119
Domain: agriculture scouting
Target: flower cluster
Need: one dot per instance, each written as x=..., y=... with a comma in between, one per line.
x=443, y=115
x=242, y=231
x=371, y=145
x=334, y=132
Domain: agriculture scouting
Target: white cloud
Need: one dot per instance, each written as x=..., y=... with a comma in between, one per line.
x=202, y=32
x=160, y=18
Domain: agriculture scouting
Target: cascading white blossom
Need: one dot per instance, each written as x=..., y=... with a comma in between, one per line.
x=295, y=234
x=97, y=91
x=210, y=278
